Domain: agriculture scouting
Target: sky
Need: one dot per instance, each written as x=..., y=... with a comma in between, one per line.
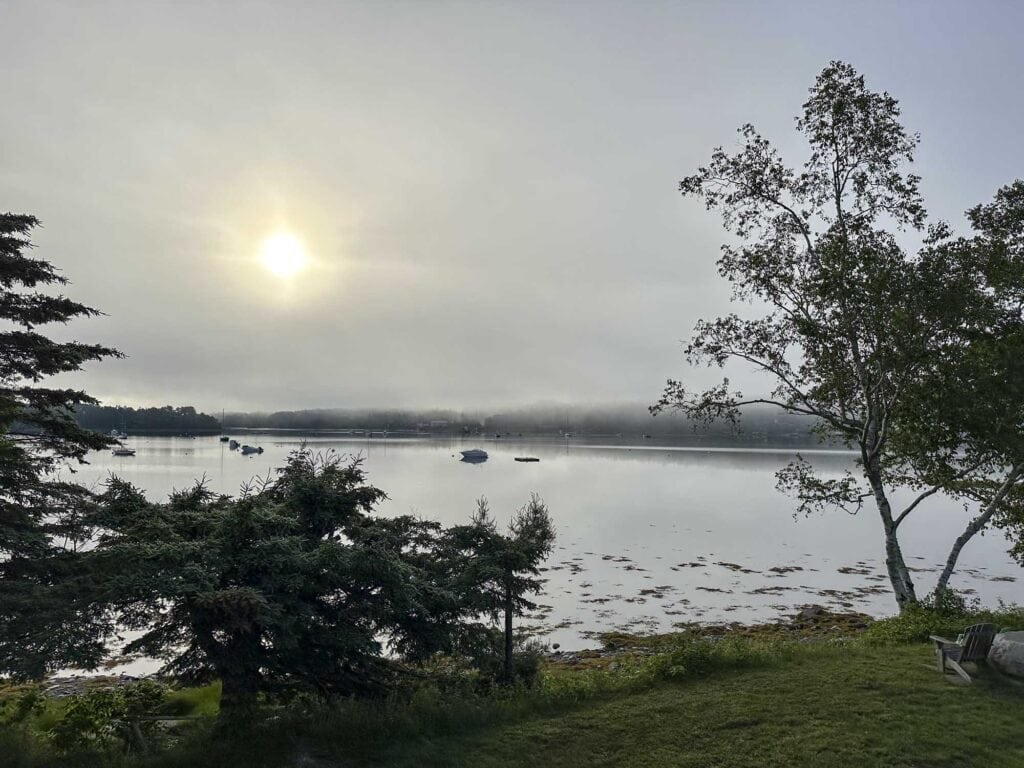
x=485, y=193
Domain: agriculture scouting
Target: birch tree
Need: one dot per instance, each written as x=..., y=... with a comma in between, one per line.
x=965, y=426
x=855, y=329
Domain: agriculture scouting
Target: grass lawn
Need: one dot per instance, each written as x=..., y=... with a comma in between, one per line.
x=862, y=707
x=804, y=705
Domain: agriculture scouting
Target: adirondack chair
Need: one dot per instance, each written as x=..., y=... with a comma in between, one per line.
x=972, y=645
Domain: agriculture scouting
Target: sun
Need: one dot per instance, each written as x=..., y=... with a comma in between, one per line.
x=283, y=254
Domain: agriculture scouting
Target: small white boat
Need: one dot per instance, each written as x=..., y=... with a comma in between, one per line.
x=474, y=454
x=123, y=451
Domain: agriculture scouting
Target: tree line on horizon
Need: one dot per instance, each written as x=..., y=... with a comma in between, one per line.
x=167, y=419
x=760, y=425
x=626, y=419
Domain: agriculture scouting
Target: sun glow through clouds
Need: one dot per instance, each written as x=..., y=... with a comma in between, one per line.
x=283, y=255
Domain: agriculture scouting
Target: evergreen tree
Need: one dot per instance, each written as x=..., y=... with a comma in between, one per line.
x=496, y=571
x=296, y=584
x=42, y=620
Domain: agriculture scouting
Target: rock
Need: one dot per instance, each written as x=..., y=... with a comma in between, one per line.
x=1007, y=653
x=810, y=612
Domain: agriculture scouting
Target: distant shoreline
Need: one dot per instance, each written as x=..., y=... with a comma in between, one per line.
x=588, y=440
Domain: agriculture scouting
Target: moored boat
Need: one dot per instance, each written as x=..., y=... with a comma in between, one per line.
x=527, y=458
x=474, y=454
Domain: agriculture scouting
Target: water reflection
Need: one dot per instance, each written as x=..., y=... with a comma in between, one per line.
x=648, y=535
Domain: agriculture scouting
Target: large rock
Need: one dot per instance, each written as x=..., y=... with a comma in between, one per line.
x=1008, y=653
x=810, y=612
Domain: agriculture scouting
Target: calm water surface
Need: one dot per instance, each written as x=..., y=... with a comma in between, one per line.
x=647, y=536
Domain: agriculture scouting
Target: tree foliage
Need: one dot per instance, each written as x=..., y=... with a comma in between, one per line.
x=42, y=622
x=101, y=718
x=858, y=334
x=968, y=424
x=166, y=419
x=495, y=571
x=295, y=585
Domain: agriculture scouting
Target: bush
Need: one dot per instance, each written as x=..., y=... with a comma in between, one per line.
x=484, y=653
x=946, y=616
x=105, y=717
x=27, y=704
x=696, y=656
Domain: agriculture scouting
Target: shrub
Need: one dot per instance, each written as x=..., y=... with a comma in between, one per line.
x=696, y=656
x=484, y=653
x=28, y=703
x=946, y=616
x=105, y=717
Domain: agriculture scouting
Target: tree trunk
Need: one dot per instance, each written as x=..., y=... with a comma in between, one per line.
x=508, y=636
x=896, y=566
x=899, y=574
x=240, y=679
x=975, y=526
x=237, y=699
x=138, y=741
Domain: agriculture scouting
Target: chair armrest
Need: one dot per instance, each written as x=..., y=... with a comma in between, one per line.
x=942, y=640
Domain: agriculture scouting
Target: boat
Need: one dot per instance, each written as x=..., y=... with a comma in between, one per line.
x=250, y=449
x=233, y=445
x=224, y=438
x=474, y=454
x=527, y=458
x=123, y=451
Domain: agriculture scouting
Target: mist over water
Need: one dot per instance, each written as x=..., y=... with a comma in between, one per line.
x=647, y=535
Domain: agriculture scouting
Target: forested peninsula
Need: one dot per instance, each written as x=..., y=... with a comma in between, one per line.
x=165, y=420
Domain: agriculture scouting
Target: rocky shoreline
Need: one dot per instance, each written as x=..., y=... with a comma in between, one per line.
x=813, y=623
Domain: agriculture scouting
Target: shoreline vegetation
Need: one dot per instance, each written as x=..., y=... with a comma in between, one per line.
x=759, y=425
x=777, y=693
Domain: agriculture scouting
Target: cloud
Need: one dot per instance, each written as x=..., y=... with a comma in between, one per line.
x=487, y=191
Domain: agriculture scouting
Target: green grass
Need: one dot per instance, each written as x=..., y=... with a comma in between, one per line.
x=741, y=703
x=823, y=708
x=810, y=705
x=190, y=702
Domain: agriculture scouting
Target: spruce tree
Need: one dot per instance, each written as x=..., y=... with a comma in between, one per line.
x=43, y=622
x=496, y=570
x=294, y=586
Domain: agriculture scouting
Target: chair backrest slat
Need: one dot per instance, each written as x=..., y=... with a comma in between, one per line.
x=977, y=641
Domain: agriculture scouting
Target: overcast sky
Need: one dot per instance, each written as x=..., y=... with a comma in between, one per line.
x=486, y=192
